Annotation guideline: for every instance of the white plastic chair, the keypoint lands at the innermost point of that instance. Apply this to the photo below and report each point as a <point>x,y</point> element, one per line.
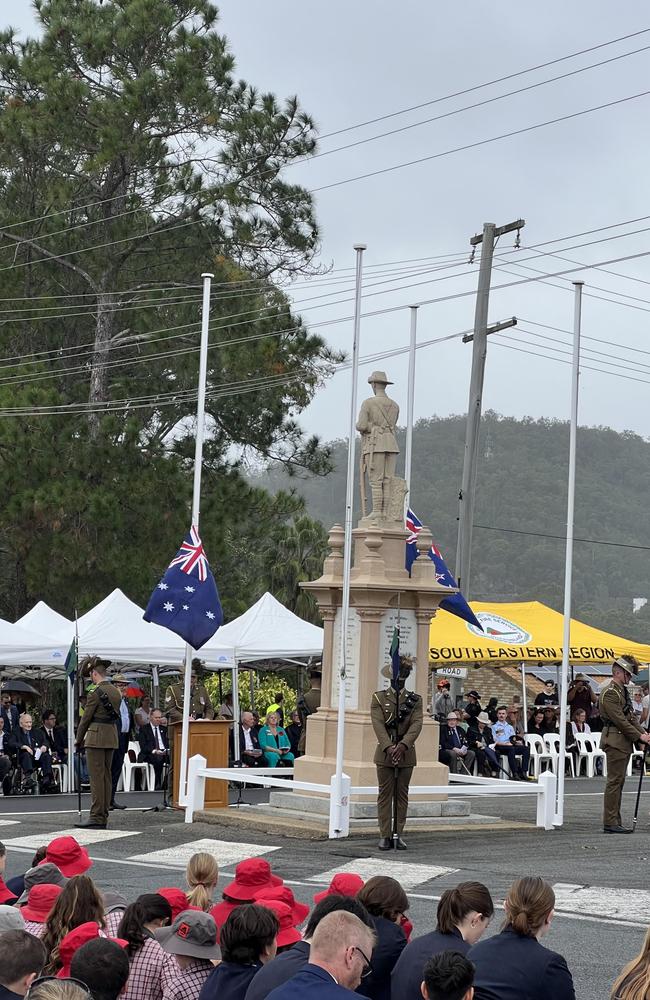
<point>552,744</point>
<point>635,753</point>
<point>590,752</point>
<point>62,771</point>
<point>129,769</point>
<point>538,753</point>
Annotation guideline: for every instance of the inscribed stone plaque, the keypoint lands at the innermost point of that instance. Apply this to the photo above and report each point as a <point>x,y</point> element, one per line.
<point>352,647</point>
<point>408,642</point>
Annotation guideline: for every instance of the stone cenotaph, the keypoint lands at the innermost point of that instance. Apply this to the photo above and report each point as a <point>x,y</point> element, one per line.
<point>382,595</point>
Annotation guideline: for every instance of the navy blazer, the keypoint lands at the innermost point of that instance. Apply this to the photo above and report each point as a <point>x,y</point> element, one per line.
<point>10,715</point>
<point>229,981</point>
<point>448,741</point>
<point>311,982</point>
<point>391,942</point>
<point>510,966</point>
<point>283,967</point>
<point>406,976</point>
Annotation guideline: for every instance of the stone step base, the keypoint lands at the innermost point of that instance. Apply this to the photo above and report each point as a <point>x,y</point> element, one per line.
<point>315,805</point>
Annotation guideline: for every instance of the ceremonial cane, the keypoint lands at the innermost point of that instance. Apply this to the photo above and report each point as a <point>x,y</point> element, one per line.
<point>78,769</point>
<point>638,791</point>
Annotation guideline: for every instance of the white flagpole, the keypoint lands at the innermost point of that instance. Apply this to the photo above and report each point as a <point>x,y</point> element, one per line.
<point>558,818</point>
<point>408,452</point>
<point>335,805</point>
<point>196,511</point>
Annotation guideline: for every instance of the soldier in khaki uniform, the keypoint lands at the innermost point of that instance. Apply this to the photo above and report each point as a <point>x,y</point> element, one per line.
<point>395,753</point>
<point>620,732</point>
<point>97,733</point>
<point>200,708</point>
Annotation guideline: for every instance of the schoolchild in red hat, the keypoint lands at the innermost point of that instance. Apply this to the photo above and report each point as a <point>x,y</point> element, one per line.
<point>343,884</point>
<point>40,900</point>
<point>283,893</point>
<point>287,934</point>
<point>74,940</point>
<point>176,898</point>
<point>68,856</point>
<point>251,876</point>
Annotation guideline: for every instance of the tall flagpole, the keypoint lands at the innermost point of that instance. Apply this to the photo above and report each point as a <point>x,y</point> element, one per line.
<point>196,510</point>
<point>558,818</point>
<point>335,807</point>
<point>408,451</point>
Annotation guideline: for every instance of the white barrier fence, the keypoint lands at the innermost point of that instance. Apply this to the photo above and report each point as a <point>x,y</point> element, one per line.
<point>544,789</point>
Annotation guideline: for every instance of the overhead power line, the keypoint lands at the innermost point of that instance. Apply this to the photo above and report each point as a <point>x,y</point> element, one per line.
<point>562,538</point>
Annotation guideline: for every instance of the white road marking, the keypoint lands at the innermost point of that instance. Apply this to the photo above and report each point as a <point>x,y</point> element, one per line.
<point>84,837</point>
<point>9,822</point>
<point>614,905</point>
<point>407,874</point>
<point>225,851</point>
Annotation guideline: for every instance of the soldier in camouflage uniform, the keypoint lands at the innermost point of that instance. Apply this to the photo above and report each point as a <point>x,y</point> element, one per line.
<point>395,753</point>
<point>620,732</point>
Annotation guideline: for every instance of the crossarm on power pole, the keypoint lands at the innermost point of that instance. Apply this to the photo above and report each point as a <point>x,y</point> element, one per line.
<point>494,328</point>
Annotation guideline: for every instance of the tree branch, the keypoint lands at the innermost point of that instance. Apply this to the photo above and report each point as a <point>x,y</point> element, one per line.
<point>52,256</point>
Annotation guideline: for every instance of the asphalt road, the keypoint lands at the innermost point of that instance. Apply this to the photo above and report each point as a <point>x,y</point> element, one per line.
<point>600,880</point>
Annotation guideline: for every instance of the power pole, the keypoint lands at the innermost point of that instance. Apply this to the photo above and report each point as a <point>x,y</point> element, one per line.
<point>466,496</point>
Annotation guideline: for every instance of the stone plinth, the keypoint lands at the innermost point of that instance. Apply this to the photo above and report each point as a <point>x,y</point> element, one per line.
<point>381,595</point>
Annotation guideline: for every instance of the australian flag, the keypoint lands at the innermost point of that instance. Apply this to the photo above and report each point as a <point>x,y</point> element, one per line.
<point>186,600</point>
<point>456,604</point>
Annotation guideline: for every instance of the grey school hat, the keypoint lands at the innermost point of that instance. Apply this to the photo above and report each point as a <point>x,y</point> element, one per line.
<point>45,874</point>
<point>11,919</point>
<point>193,933</point>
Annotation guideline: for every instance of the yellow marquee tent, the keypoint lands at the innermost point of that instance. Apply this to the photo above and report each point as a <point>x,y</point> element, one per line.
<point>519,633</point>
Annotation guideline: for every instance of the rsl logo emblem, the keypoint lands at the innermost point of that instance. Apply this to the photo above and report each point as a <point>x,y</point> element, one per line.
<point>499,629</point>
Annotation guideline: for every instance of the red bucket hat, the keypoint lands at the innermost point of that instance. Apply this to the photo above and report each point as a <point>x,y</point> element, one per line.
<point>74,939</point>
<point>68,856</point>
<point>176,898</point>
<point>221,911</point>
<point>40,901</point>
<point>6,895</point>
<point>287,933</point>
<point>343,884</point>
<point>251,876</point>
<point>284,894</point>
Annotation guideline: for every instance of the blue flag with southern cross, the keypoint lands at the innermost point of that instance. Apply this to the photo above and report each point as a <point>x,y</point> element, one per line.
<point>456,604</point>
<point>186,600</point>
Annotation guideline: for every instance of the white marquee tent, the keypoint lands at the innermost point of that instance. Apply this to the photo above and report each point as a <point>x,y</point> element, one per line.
<point>45,620</point>
<point>267,631</point>
<point>23,647</point>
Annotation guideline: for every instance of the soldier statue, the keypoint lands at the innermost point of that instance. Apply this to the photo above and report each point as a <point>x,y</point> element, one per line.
<point>620,732</point>
<point>397,720</point>
<point>379,450</point>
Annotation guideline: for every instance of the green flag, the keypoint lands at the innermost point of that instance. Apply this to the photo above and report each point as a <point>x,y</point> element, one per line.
<point>71,660</point>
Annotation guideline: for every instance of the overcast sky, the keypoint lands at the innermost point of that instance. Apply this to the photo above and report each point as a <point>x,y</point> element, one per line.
<point>353,61</point>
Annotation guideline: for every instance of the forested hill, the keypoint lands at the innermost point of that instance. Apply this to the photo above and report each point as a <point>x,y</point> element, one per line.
<point>522,487</point>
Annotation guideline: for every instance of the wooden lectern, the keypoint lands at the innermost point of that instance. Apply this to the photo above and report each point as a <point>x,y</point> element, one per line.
<point>210,739</point>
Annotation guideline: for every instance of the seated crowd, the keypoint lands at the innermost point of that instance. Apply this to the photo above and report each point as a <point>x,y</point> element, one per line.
<point>62,937</point>
<point>492,741</point>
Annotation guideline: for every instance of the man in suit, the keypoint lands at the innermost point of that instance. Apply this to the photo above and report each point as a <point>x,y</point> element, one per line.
<point>5,759</point>
<point>9,713</point>
<point>53,737</point>
<point>32,753</point>
<point>97,732</point>
<point>154,745</point>
<point>339,957</point>
<point>480,740</point>
<point>454,749</point>
<point>620,732</point>
<point>125,725</point>
<point>396,730</point>
<point>250,751</point>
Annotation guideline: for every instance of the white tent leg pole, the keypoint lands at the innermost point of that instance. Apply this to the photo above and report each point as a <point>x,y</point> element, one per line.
<point>235,713</point>
<point>155,681</point>
<point>69,684</point>
<point>524,702</point>
<point>568,566</point>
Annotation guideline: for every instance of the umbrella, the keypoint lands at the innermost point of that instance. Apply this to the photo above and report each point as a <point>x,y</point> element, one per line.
<point>133,691</point>
<point>19,687</point>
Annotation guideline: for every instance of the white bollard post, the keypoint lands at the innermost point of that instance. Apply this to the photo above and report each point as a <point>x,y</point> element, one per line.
<point>339,808</point>
<point>195,787</point>
<point>546,800</point>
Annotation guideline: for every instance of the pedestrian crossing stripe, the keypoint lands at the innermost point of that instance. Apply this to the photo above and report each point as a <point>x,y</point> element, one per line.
<point>409,875</point>
<point>603,901</point>
<point>9,822</point>
<point>226,852</point>
<point>81,836</point>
